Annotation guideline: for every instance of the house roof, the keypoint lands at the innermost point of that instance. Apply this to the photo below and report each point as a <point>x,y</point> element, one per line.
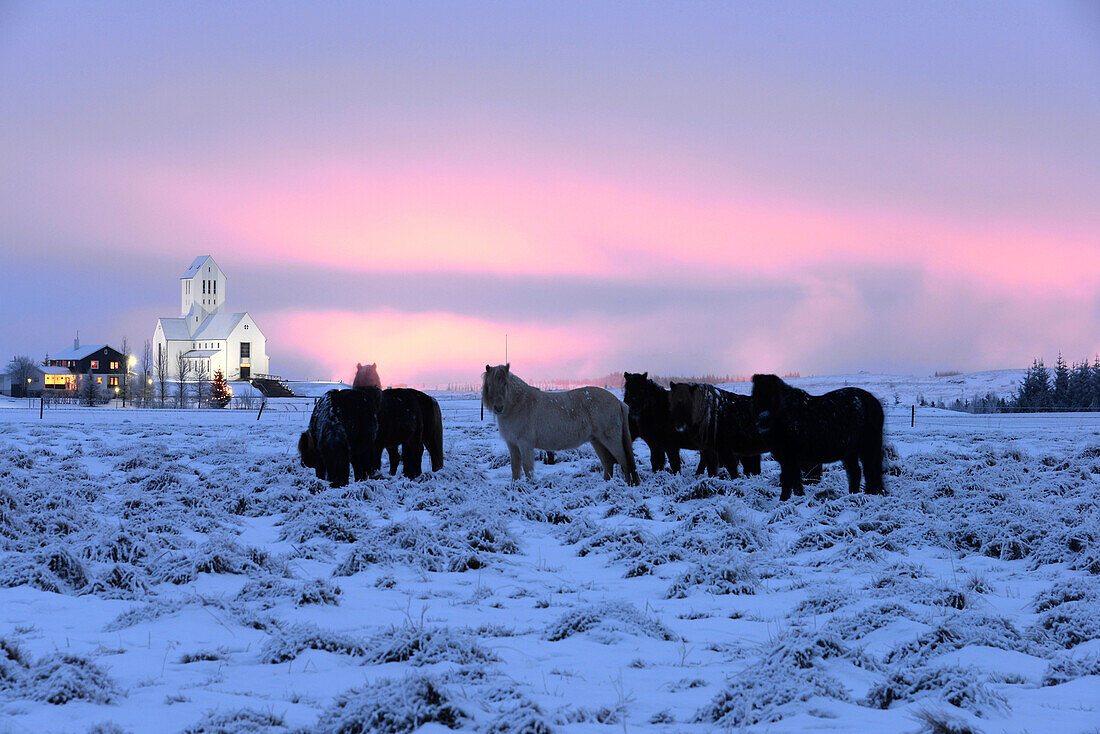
<point>215,326</point>
<point>196,266</point>
<point>200,353</point>
<point>79,352</point>
<point>39,369</point>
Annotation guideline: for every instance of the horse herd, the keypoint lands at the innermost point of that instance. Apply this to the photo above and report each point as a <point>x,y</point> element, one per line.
<point>800,431</point>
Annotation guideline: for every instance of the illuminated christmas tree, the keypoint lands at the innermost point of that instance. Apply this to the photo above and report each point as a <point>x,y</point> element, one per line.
<point>220,393</point>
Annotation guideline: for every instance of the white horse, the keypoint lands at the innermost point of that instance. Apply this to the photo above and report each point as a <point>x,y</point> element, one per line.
<point>530,419</point>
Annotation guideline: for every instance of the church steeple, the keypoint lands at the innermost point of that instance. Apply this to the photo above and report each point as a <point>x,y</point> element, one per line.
<point>202,291</point>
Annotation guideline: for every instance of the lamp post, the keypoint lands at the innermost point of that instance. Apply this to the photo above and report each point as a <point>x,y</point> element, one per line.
<point>130,362</point>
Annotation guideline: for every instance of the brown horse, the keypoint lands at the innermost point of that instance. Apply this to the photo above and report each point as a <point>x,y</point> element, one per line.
<point>367,376</point>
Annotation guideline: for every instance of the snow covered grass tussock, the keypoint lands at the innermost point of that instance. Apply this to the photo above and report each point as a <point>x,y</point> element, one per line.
<point>391,706</point>
<point>239,721</point>
<point>56,678</point>
<point>452,546</point>
<point>608,621</point>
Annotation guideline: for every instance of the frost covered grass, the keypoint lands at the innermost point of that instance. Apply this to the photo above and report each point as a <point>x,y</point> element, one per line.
<point>180,572</point>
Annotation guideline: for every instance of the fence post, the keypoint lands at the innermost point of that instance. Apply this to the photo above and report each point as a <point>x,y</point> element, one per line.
<point>913,417</point>
<point>41,403</point>
<point>262,404</point>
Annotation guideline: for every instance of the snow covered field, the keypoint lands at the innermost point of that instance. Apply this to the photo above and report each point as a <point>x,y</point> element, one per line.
<point>170,571</point>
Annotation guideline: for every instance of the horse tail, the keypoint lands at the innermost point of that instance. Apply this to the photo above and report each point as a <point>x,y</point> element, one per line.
<point>433,434</point>
<point>630,468</point>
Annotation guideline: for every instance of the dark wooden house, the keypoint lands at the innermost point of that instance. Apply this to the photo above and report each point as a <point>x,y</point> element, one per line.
<point>106,364</point>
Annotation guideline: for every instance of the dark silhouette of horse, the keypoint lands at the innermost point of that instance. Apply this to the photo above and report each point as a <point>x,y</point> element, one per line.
<point>720,423</point>
<point>342,429</point>
<point>801,430</point>
<point>409,422</point>
<point>651,421</point>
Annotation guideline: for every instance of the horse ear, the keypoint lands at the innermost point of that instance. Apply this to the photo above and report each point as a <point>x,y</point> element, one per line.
<point>508,367</point>
<point>645,375</point>
<point>358,366</point>
<point>487,368</point>
<point>374,365</point>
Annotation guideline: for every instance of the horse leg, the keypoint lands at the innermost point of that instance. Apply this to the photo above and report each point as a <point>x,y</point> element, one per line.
<point>513,451</point>
<point>394,458</point>
<point>673,460</point>
<point>412,455</point>
<point>712,463</point>
<point>751,465</point>
<point>527,454</point>
<point>871,458</point>
<point>730,463</point>
<point>336,465</point>
<point>360,463</point>
<point>606,458</point>
<point>656,456</point>
<point>790,479</point>
<point>851,465</point>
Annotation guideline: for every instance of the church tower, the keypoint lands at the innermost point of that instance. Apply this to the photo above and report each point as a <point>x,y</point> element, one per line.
<point>202,291</point>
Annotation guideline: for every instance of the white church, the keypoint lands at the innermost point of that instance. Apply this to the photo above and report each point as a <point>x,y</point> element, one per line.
<point>205,334</point>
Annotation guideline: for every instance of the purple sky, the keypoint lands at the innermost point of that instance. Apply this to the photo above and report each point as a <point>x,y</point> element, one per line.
<point>678,188</point>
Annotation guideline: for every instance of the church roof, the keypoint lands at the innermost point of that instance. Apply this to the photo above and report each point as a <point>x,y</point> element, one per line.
<point>175,329</point>
<point>195,266</point>
<point>78,352</point>
<point>201,353</point>
<point>216,326</point>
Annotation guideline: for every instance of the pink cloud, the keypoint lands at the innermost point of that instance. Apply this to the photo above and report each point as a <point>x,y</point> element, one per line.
<point>561,221</point>
<point>433,347</point>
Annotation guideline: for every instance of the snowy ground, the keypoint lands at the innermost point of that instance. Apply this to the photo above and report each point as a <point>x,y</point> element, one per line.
<point>164,571</point>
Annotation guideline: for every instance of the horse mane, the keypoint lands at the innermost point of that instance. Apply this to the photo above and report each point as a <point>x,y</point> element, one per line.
<point>515,385</point>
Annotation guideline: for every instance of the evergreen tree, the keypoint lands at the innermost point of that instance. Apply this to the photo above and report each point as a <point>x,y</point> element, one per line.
<point>220,393</point>
<point>1095,405</point>
<point>1060,398</point>
<point>1034,393</point>
<point>1080,386</point>
<point>89,390</point>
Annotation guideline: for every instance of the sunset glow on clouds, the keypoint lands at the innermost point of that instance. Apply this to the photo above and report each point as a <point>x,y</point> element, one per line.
<point>708,190</point>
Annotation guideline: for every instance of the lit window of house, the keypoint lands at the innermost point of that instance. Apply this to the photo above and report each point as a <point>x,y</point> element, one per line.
<point>114,382</point>
<point>99,380</point>
<point>114,365</point>
<point>95,364</point>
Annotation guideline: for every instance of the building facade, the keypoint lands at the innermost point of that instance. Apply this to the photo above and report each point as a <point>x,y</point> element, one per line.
<point>205,335</point>
<point>104,363</point>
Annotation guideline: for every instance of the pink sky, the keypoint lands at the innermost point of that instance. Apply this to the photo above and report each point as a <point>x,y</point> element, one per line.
<point>844,191</point>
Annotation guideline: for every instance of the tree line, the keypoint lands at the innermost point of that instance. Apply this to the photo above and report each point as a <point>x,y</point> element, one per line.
<point>1067,387</point>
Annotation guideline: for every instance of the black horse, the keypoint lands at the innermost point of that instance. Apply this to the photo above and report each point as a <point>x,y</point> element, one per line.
<point>721,423</point>
<point>800,429</point>
<point>651,421</point>
<point>342,429</point>
<point>409,422</point>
